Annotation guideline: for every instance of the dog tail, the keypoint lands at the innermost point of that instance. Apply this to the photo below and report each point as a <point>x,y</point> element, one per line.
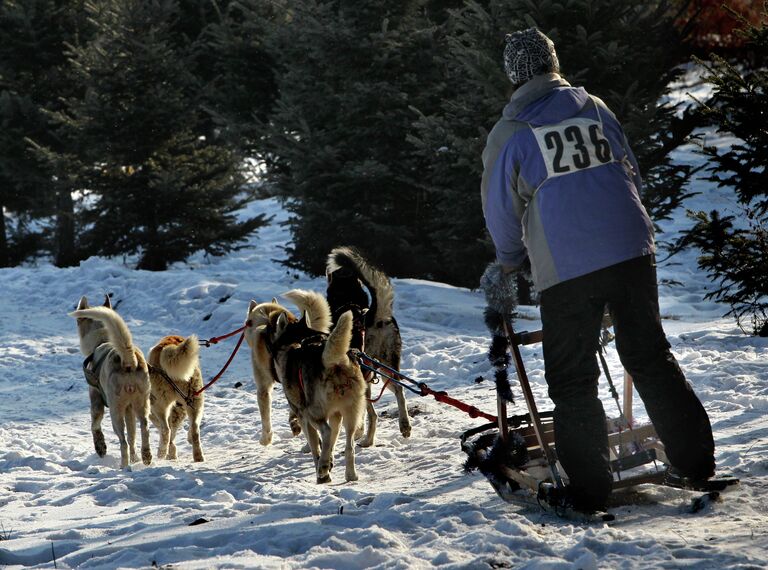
<point>117,332</point>
<point>376,281</point>
<point>337,345</point>
<point>177,355</point>
<point>315,305</point>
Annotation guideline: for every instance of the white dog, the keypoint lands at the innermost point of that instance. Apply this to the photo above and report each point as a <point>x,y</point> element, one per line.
<point>117,377</point>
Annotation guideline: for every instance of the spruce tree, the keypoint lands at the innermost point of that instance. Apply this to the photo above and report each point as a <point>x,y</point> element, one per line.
<point>33,81</point>
<point>734,252</point>
<point>237,71</point>
<point>622,52</point>
<point>348,74</point>
<point>163,187</point>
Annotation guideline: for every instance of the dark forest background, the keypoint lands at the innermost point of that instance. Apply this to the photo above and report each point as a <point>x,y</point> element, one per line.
<point>135,126</point>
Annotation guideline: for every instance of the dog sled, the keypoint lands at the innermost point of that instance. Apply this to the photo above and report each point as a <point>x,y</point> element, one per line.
<point>518,456</point>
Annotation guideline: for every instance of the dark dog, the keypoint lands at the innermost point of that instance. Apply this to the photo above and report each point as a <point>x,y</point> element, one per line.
<point>322,385</point>
<point>375,331</point>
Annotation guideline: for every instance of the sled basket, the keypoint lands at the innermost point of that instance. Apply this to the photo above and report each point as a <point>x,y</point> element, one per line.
<point>518,452</point>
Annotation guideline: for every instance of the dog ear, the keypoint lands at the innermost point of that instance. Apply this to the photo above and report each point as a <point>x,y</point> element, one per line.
<point>107,302</point>
<point>274,300</point>
<point>282,322</point>
<point>83,304</point>
<point>251,305</point>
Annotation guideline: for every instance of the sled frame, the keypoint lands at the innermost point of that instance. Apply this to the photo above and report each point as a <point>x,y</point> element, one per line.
<point>631,447</point>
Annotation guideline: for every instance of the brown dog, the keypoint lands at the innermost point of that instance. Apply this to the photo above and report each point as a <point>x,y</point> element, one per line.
<point>175,376</point>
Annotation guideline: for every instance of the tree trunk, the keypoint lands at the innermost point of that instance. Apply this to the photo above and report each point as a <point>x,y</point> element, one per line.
<point>65,255</point>
<point>4,260</point>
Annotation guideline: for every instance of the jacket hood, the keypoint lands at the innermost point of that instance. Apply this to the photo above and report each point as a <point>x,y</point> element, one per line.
<point>544,100</point>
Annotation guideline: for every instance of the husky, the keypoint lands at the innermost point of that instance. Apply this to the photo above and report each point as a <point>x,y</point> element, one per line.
<point>264,374</point>
<point>323,386</point>
<point>117,377</point>
<point>346,272</point>
<point>174,366</point>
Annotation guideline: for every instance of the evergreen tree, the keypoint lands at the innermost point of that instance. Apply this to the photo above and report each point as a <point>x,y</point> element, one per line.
<point>623,52</point>
<point>162,187</point>
<point>237,71</point>
<point>34,79</point>
<point>735,253</point>
<point>348,73</point>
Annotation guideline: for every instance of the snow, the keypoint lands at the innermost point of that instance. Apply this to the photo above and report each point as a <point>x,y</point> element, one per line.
<point>413,507</point>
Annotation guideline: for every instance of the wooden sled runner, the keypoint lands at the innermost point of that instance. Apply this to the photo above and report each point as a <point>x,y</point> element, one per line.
<point>517,454</point>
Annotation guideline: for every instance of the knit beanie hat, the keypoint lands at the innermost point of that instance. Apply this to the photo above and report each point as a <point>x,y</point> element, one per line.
<point>528,53</point>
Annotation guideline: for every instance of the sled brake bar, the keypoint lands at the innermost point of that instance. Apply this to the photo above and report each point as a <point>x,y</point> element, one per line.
<point>528,395</point>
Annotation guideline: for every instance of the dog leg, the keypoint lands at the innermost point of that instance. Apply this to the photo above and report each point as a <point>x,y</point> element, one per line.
<point>177,418</point>
<point>118,424</point>
<point>143,417</point>
<point>172,451</point>
<point>335,421</point>
<point>165,432</point>
<point>350,425</point>
<point>326,450</point>
<point>370,435</point>
<point>130,424</point>
<point>97,414</point>
<point>264,396</point>
<point>293,421</point>
<point>195,415</point>
<point>402,409</point>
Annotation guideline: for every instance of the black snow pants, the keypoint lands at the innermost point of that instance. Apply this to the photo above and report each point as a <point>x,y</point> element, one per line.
<point>571,314</point>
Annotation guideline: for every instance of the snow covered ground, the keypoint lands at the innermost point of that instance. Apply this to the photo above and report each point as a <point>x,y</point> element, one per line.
<point>63,506</point>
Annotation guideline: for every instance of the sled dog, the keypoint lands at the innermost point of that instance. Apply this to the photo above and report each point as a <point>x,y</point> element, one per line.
<point>346,272</point>
<point>117,377</point>
<point>175,361</point>
<point>264,374</point>
<point>322,385</point>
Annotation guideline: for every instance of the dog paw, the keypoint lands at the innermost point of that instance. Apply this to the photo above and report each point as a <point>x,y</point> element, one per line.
<point>323,479</point>
<point>295,429</point>
<point>405,429</point>
<point>146,457</point>
<point>266,438</point>
<point>365,442</point>
<point>198,456</point>
<point>99,444</point>
<point>351,476</point>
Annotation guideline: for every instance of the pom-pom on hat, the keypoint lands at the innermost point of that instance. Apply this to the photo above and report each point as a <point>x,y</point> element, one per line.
<point>528,53</point>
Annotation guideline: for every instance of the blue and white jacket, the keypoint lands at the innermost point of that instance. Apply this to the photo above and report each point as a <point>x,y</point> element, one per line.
<point>561,185</point>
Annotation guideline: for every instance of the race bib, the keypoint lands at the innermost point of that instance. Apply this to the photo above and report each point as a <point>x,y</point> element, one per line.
<point>574,144</point>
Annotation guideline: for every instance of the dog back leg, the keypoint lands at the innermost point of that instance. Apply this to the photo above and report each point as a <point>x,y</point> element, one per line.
<point>350,426</point>
<point>118,424</point>
<point>177,418</point>
<point>264,385</point>
<point>130,426</point>
<point>369,439</point>
<point>326,451</point>
<point>142,414</point>
<point>195,415</point>
<point>313,439</point>
<point>97,415</point>
<point>162,413</point>
<point>402,409</point>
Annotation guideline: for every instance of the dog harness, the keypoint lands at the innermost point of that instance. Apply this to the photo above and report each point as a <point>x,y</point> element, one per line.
<point>91,371</point>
